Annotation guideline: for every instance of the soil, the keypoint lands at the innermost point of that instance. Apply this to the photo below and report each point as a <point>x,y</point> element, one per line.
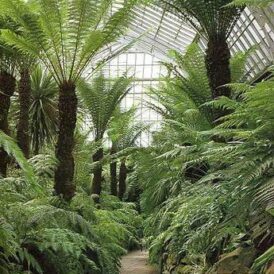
<point>136,262</point>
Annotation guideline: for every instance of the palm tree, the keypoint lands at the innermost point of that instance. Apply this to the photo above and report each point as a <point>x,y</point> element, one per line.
<point>214,20</point>
<point>68,37</point>
<point>43,109</point>
<point>7,88</point>
<point>101,99</point>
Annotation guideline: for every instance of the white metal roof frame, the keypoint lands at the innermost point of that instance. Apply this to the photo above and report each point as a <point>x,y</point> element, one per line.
<point>165,31</point>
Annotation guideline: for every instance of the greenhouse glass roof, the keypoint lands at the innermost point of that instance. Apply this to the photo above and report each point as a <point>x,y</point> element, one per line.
<point>161,31</point>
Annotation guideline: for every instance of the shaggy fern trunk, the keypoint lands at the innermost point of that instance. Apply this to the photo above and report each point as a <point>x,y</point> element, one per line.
<point>97,173</point>
<point>64,173</point>
<point>218,70</point>
<point>24,91</point>
<point>113,174</point>
<point>7,88</point>
<point>122,179</point>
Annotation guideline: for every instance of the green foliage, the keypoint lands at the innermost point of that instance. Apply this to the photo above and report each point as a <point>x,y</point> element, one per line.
<point>45,235</point>
<point>238,66</point>
<point>8,56</point>
<point>10,146</point>
<point>205,185</point>
<point>124,130</point>
<point>101,98</point>
<point>67,36</point>
<point>185,119</point>
<point>84,148</point>
<point>215,182</point>
<point>263,260</point>
<point>184,95</point>
<point>191,223</point>
<point>43,109</point>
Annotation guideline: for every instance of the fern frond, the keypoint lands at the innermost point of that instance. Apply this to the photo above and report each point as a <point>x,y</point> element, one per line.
<point>9,145</point>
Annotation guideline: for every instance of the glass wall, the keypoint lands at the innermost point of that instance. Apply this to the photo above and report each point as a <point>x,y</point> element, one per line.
<point>147,71</point>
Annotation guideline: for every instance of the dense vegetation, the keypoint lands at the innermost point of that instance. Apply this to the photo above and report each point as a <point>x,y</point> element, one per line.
<point>76,192</point>
<point>213,191</point>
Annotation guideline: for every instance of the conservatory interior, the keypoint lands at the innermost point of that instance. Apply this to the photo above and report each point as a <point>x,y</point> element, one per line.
<point>136,136</point>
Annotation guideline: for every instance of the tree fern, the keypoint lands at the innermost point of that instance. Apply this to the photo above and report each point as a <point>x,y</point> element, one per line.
<point>214,21</point>
<point>101,99</point>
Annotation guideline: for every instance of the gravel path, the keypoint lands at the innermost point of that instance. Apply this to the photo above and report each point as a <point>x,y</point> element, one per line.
<point>136,262</point>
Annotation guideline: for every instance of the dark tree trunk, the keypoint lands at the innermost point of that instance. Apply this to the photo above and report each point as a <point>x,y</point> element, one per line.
<point>24,91</point>
<point>113,174</point>
<point>122,179</point>
<point>7,88</point>
<point>218,70</point>
<point>36,149</point>
<point>97,173</point>
<point>67,106</point>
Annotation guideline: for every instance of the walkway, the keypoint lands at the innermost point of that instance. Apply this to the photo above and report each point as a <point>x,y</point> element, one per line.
<point>136,262</point>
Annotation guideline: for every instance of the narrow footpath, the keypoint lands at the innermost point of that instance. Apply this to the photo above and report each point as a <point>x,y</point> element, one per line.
<point>136,262</point>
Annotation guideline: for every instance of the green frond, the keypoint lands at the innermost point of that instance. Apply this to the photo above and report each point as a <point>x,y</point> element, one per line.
<point>101,98</point>
<point>238,65</point>
<point>214,18</point>
<point>10,146</point>
<point>22,44</point>
<point>67,35</point>
<point>43,109</point>
<point>263,260</point>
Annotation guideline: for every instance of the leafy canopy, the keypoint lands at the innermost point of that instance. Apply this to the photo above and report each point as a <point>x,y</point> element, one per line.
<point>68,36</point>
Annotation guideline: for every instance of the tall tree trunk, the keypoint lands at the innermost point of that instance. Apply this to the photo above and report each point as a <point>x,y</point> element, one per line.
<point>113,174</point>
<point>24,91</point>
<point>97,173</point>
<point>122,179</point>
<point>7,88</point>
<point>218,70</point>
<point>64,173</point>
